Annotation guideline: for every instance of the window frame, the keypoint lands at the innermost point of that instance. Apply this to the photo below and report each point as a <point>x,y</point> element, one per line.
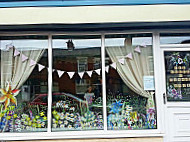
<point>96,133</point>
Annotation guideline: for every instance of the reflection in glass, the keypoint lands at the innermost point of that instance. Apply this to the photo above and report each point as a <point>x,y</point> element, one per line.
<point>177,75</point>
<point>130,105</point>
<point>23,107</point>
<point>174,38</point>
<point>77,88</point>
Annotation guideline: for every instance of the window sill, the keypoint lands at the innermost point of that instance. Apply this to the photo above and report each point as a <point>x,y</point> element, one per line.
<point>81,134</point>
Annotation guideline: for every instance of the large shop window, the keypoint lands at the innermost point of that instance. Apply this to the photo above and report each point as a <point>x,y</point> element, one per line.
<point>23,101</point>
<point>82,95</point>
<point>130,82</point>
<point>77,83</point>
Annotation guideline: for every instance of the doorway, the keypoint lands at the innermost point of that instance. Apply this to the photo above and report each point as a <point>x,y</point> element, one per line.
<point>176,84</point>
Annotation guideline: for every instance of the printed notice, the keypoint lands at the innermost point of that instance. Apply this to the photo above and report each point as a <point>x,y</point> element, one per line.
<point>148,82</point>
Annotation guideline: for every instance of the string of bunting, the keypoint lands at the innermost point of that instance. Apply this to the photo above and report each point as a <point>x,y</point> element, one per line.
<point>81,74</point>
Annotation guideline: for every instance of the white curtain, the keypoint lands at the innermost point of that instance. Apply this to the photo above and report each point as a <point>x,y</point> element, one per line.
<point>133,70</point>
<point>13,70</point>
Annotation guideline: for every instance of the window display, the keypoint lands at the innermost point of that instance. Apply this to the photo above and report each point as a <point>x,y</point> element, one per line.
<point>130,104</point>
<point>77,83</point>
<point>22,107</point>
<point>77,93</point>
<point>177,75</point>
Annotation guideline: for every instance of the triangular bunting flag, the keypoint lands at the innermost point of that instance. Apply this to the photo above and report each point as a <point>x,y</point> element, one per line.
<point>138,49</point>
<point>16,53</point>
<point>122,61</point>
<point>60,73</point>
<point>81,74</point>
<point>24,58</point>
<point>113,65</point>
<point>71,74</point>
<point>107,69</point>
<point>98,71</point>
<point>129,56</point>
<point>32,63</point>
<point>89,73</point>
<point>143,44</point>
<point>40,67</point>
<point>152,93</point>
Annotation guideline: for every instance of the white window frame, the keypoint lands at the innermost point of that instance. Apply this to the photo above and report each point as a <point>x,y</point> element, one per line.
<point>97,133</point>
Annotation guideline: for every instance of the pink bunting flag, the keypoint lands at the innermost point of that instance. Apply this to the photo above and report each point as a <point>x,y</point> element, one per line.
<point>71,74</point>
<point>129,56</point>
<point>143,44</point>
<point>89,73</point>
<point>24,58</point>
<point>113,65</point>
<point>138,49</point>
<point>32,62</point>
<point>16,53</point>
<point>40,67</point>
<point>81,74</point>
<point>98,71</point>
<point>107,69</point>
<point>60,73</point>
<point>122,61</point>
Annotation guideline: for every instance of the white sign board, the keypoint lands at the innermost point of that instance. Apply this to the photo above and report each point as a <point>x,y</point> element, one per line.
<point>148,82</point>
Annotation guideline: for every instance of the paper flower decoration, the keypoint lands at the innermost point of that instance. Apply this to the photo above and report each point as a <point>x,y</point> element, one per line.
<point>9,95</point>
<point>116,107</point>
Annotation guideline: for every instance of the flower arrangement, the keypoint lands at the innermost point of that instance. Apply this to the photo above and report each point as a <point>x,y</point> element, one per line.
<point>173,92</point>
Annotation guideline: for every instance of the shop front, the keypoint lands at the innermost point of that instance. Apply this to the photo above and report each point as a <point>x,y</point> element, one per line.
<point>95,72</point>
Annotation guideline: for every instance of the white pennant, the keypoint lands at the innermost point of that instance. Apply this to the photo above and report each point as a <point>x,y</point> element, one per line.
<point>143,44</point>
<point>138,49</point>
<point>81,74</point>
<point>60,73</point>
<point>24,58</point>
<point>89,73</point>
<point>71,74</point>
<point>40,67</point>
<point>16,53</point>
<point>98,71</point>
<point>32,63</point>
<point>107,69</point>
<point>122,61</point>
<point>113,65</point>
<point>129,56</point>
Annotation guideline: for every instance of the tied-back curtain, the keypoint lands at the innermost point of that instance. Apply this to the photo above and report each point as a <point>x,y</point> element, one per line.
<point>13,70</point>
<point>133,70</point>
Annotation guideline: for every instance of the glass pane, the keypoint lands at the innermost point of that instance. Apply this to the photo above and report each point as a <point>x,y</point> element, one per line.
<point>23,94</point>
<point>177,75</point>
<point>130,82</point>
<point>175,38</point>
<point>77,87</point>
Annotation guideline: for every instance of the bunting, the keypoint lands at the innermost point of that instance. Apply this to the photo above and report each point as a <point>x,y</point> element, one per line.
<point>81,74</point>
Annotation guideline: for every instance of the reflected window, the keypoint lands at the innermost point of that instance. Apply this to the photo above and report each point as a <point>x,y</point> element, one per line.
<point>175,38</point>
